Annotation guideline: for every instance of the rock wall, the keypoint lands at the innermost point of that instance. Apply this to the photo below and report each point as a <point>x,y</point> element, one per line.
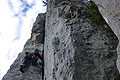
<point>111,10</point>
<point>36,41</point>
<point>74,49</point>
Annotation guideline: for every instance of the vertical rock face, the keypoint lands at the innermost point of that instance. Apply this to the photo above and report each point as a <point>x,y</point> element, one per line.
<point>111,10</point>
<point>74,49</point>
<point>36,41</point>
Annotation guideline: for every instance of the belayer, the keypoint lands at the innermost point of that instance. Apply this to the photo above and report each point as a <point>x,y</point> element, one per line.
<point>31,58</point>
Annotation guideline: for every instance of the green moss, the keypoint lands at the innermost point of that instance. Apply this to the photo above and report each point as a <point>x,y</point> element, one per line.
<point>94,14</point>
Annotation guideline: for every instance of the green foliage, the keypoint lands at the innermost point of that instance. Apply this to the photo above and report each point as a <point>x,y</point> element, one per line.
<point>94,14</point>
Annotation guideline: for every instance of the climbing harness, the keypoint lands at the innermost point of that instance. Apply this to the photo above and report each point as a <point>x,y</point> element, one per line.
<point>33,72</point>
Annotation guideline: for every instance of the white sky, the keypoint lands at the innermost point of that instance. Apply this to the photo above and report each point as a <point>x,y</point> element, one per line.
<point>16,20</point>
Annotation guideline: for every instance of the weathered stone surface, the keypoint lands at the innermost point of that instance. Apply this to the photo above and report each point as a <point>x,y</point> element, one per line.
<point>110,9</point>
<point>36,40</point>
<point>74,49</point>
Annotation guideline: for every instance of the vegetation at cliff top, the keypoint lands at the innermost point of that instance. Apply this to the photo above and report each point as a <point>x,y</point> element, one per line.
<point>94,14</point>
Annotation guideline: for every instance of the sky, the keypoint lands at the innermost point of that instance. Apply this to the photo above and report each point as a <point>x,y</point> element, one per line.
<point>16,20</point>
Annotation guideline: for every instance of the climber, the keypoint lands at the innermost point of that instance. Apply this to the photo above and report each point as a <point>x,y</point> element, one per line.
<point>31,58</point>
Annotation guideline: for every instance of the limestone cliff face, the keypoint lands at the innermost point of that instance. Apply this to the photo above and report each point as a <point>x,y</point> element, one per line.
<point>111,10</point>
<point>36,40</point>
<point>73,48</point>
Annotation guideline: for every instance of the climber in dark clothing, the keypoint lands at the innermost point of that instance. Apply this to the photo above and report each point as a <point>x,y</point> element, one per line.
<point>31,58</point>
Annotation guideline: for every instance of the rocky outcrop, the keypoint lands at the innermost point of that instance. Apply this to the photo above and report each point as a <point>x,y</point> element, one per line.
<point>110,9</point>
<point>36,41</point>
<point>75,46</point>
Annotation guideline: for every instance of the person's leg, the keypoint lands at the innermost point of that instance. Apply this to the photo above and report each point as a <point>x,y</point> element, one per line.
<point>22,68</point>
<point>27,58</point>
<point>25,63</point>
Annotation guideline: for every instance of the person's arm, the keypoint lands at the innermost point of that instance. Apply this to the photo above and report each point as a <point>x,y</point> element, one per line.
<point>39,56</point>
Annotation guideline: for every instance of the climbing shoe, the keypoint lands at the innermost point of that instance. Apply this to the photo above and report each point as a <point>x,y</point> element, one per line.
<point>21,69</point>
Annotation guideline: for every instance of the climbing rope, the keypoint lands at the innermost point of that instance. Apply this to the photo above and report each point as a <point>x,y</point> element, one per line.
<point>33,72</point>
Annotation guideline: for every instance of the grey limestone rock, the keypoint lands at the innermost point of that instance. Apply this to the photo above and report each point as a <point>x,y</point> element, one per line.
<point>36,41</point>
<point>110,9</point>
<point>74,49</point>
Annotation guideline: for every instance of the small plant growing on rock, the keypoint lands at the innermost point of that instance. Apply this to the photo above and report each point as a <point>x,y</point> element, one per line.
<point>94,14</point>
